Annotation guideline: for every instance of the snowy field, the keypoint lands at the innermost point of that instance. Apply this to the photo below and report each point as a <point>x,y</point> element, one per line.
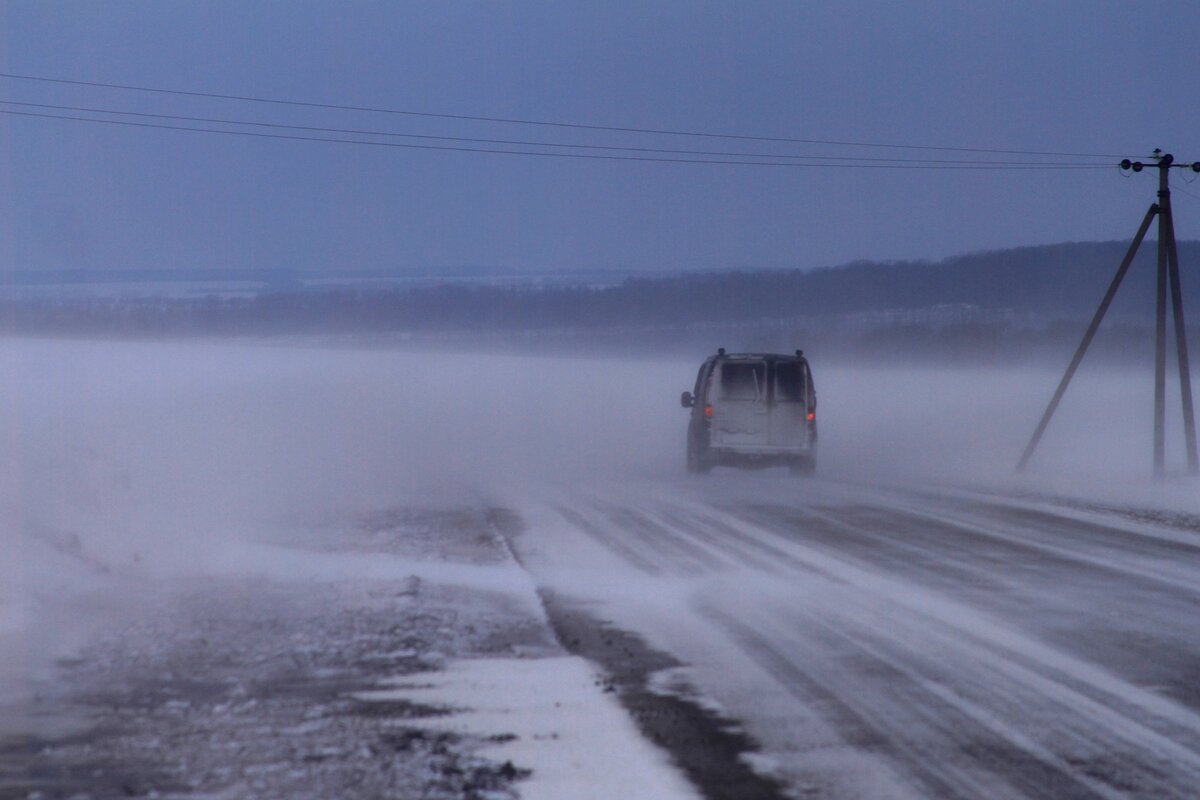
<point>137,479</point>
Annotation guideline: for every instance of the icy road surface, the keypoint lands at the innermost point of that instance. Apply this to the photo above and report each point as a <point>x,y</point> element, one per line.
<point>915,622</point>
<point>901,643</point>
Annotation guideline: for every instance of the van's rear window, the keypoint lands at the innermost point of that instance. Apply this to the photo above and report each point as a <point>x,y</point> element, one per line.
<point>789,381</point>
<point>743,380</point>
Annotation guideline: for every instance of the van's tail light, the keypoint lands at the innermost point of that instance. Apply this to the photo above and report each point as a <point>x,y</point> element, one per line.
<point>708,412</point>
<point>812,415</point>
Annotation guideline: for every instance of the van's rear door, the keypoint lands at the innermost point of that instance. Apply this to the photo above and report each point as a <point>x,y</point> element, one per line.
<point>740,408</point>
<point>788,407</point>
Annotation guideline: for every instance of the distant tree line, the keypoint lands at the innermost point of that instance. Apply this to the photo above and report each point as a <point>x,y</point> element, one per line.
<point>992,296</point>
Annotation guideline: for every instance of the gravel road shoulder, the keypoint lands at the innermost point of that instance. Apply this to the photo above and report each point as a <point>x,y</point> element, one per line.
<point>244,686</point>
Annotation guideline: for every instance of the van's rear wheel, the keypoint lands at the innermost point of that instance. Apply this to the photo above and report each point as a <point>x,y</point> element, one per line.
<point>697,464</point>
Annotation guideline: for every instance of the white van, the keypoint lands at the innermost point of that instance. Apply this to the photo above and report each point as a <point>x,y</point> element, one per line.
<point>752,410</point>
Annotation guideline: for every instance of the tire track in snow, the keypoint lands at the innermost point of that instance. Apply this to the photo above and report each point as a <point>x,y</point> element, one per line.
<point>749,551</point>
<point>973,656</point>
<point>1129,716</point>
<point>922,732</point>
<point>1164,565</point>
<point>1177,534</point>
<point>1021,703</point>
<point>675,546</point>
<point>671,538</point>
<point>1131,620</point>
<point>610,540</point>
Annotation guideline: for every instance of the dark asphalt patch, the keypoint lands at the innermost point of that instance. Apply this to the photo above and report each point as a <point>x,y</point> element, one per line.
<point>708,748</point>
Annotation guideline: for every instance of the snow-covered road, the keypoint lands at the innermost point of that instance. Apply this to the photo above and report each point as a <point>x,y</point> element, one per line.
<point>891,643</point>
<point>914,622</point>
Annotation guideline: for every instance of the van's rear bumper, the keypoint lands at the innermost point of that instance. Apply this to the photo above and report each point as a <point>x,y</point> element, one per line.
<point>756,456</point>
<point>703,452</point>
<point>761,450</point>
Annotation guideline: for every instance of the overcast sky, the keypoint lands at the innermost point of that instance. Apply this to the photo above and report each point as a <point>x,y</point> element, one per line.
<point>1088,77</point>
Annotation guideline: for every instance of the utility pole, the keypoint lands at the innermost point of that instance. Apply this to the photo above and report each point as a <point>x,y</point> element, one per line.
<point>1168,273</point>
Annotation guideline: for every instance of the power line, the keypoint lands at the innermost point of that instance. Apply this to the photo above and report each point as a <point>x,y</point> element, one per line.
<point>406,145</point>
<point>521,142</point>
<point>545,123</point>
<point>1185,191</point>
